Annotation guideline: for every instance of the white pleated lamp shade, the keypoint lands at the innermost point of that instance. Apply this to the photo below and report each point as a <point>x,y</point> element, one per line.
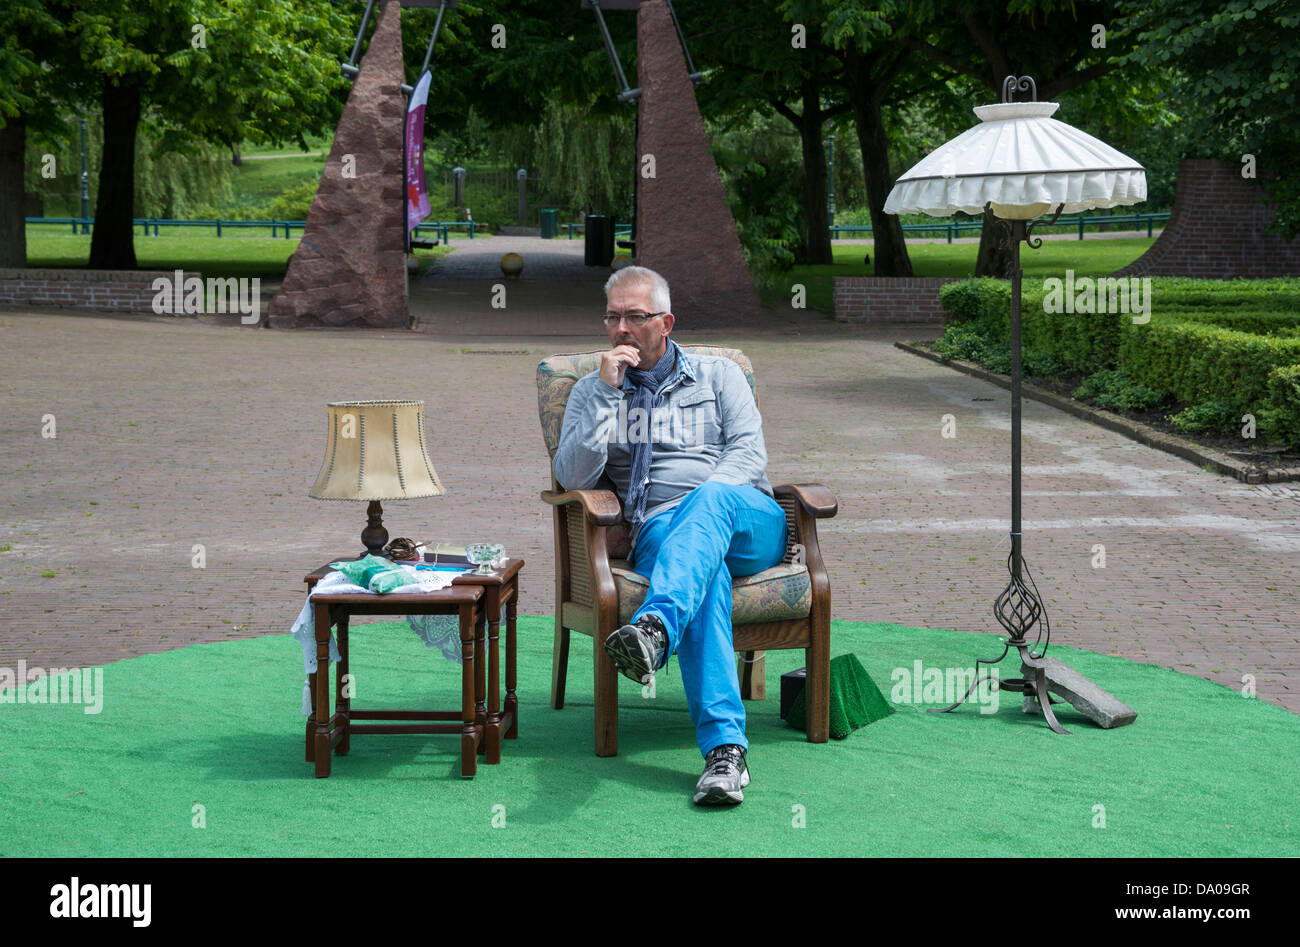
<point>375,451</point>
<point>1022,161</point>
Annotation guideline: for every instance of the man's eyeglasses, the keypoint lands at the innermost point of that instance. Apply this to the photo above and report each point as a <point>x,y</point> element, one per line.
<point>634,319</point>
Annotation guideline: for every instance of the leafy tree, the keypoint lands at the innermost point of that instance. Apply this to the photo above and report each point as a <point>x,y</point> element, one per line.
<point>988,40</point>
<point>753,55</point>
<point>29,36</point>
<point>221,71</point>
<point>866,41</point>
<point>1237,64</point>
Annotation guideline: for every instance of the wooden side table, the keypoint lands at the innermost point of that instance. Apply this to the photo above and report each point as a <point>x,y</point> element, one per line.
<point>501,587</point>
<point>324,731</point>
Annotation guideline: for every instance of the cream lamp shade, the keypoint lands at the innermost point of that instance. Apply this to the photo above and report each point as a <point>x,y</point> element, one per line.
<point>375,450</point>
<point>1024,163</point>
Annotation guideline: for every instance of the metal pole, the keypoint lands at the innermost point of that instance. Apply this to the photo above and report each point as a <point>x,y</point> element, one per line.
<point>626,93</point>
<point>830,160</point>
<point>1017,234</point>
<point>437,27</point>
<point>365,20</point>
<point>690,66</point>
<point>522,175</point>
<point>85,183</point>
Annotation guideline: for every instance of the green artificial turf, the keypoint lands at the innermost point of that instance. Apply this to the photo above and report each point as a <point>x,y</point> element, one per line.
<point>1203,771</point>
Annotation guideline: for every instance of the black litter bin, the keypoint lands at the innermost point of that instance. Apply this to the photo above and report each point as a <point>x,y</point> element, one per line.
<point>599,247</point>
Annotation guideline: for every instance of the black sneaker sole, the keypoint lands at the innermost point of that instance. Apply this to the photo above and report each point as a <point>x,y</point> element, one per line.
<point>625,649</point>
<point>717,796</point>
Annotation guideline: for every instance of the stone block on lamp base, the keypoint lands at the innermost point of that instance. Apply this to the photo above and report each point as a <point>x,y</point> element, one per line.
<point>1098,705</point>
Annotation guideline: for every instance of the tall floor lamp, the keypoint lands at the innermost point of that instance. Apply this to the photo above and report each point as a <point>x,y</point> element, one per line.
<point>1021,163</point>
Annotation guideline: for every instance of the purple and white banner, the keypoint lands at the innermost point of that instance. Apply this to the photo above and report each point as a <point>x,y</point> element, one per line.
<point>417,197</point>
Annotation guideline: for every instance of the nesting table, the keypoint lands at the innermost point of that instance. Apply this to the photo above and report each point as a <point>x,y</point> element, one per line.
<point>477,600</point>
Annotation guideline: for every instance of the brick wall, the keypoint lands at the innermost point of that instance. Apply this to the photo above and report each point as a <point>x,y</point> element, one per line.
<point>98,290</point>
<point>888,299</point>
<point>1216,229</point>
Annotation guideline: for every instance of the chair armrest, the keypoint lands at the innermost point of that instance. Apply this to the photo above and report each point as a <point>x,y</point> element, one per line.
<point>600,506</point>
<point>813,497</point>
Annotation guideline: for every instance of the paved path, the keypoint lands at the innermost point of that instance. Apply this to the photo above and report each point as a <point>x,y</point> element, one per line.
<point>172,433</point>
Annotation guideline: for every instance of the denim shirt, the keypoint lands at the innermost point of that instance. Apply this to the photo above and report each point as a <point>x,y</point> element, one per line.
<point>705,426</point>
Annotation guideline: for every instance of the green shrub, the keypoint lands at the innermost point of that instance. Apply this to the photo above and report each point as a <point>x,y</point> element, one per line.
<point>1176,292</point>
<point>961,341</point>
<point>1214,417</point>
<point>1230,341</point>
<point>1279,419</point>
<point>997,358</point>
<point>1079,342</point>
<point>1115,390</point>
<point>1040,364</point>
<point>294,201</point>
<point>984,303</point>
<point>1061,342</point>
<point>1258,321</point>
<point>1196,362</point>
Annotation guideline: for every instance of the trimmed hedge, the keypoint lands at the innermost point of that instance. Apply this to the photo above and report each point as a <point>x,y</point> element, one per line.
<point>1076,342</point>
<point>1198,362</point>
<point>1256,321</point>
<point>1281,417</point>
<point>1232,341</point>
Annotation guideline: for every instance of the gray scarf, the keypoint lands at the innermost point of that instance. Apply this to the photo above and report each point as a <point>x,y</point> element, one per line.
<point>644,397</point>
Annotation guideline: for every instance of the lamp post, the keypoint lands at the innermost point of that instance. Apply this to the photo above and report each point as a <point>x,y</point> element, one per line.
<point>830,178</point>
<point>458,185</point>
<point>1020,163</point>
<point>85,180</point>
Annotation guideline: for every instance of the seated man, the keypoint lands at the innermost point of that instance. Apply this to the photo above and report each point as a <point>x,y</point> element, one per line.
<point>681,439</point>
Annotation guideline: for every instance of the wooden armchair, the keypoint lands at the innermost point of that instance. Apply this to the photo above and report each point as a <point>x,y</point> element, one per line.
<point>787,606</point>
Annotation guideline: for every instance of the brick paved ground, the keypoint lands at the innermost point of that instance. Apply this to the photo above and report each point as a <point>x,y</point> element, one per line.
<point>172,433</point>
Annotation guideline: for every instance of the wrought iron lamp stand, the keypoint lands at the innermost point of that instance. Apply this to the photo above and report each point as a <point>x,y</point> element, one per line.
<point>1018,608</point>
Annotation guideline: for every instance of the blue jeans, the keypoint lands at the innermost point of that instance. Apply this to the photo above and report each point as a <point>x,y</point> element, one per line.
<point>690,553</point>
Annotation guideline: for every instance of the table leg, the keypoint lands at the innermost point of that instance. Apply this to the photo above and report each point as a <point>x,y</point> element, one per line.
<point>469,621</point>
<point>343,686</point>
<point>322,753</point>
<point>512,702</point>
<point>311,719</point>
<point>492,738</point>
<point>480,709</point>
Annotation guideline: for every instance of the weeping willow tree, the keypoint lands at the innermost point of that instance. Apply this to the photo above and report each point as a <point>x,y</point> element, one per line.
<point>173,183</point>
<point>583,161</point>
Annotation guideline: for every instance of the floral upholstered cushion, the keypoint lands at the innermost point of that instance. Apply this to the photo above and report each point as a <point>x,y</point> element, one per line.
<point>557,375</point>
<point>776,594</point>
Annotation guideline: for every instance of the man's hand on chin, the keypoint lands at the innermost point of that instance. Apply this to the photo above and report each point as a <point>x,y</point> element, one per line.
<point>615,363</point>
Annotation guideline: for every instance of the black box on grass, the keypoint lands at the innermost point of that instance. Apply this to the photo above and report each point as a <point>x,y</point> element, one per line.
<point>792,685</point>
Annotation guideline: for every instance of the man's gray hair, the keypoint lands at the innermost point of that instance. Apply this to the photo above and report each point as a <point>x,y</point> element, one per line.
<point>643,276</point>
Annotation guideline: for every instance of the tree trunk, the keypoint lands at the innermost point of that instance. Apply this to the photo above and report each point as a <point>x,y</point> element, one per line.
<point>13,227</point>
<point>994,257</point>
<point>235,158</point>
<point>816,234</point>
<point>112,245</point>
<point>890,251</point>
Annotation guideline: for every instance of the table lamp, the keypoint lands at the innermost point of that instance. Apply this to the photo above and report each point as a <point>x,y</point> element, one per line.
<point>375,451</point>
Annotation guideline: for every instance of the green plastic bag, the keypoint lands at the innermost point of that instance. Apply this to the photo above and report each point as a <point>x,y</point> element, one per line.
<point>374,573</point>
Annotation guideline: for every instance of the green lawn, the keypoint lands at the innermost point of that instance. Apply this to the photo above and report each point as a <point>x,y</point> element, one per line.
<point>1086,257</point>
<point>237,253</point>
<point>259,181</point>
<point>314,143</point>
